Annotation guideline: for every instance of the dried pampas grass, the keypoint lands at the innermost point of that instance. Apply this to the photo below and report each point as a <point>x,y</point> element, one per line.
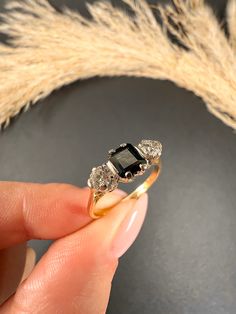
<point>50,49</point>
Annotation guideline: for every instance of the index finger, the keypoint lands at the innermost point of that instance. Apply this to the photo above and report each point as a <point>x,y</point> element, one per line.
<point>40,211</point>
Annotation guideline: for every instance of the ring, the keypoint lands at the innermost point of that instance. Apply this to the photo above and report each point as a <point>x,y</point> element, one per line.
<point>124,164</point>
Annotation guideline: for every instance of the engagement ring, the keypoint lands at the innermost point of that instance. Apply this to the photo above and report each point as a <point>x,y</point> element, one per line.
<point>124,164</point>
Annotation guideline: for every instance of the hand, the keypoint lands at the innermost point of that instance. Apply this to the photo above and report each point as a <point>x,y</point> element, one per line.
<point>75,274</point>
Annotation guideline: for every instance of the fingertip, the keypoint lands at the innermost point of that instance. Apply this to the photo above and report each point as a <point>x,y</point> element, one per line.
<point>129,228</point>
<point>120,227</point>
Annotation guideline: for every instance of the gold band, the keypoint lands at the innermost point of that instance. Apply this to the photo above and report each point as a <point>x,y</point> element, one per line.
<point>141,189</point>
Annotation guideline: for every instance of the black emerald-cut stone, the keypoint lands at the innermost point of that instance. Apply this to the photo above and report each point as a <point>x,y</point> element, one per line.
<point>127,159</point>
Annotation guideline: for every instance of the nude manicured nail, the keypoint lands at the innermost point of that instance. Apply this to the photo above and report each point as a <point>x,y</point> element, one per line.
<point>120,192</point>
<point>129,228</point>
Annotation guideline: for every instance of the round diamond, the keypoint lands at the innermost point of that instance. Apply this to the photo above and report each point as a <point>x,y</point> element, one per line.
<point>150,149</point>
<point>103,179</point>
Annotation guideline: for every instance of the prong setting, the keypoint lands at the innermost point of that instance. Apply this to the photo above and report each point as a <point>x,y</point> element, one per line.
<point>111,151</point>
<point>128,175</point>
<point>143,168</point>
<point>127,160</point>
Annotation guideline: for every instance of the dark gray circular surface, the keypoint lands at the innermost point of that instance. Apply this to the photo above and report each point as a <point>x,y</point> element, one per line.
<point>184,261</point>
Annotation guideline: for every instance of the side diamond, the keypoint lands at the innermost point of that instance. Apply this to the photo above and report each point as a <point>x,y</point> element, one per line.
<point>103,179</point>
<point>150,149</point>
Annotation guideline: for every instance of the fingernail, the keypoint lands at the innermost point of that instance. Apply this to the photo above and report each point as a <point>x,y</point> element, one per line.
<point>120,192</point>
<point>111,199</point>
<point>129,228</point>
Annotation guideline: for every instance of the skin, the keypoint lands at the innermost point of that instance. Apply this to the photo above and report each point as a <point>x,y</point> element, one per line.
<point>75,274</point>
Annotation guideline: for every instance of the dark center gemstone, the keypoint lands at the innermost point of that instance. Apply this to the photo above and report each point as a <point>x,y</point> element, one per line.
<point>127,159</point>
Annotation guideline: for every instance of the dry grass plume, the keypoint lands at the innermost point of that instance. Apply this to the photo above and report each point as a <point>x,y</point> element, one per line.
<point>50,49</point>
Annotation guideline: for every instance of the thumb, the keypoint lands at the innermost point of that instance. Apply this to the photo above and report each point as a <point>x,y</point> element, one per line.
<point>75,275</point>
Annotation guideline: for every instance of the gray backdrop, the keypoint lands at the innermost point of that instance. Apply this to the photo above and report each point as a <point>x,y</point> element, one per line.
<point>184,260</point>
